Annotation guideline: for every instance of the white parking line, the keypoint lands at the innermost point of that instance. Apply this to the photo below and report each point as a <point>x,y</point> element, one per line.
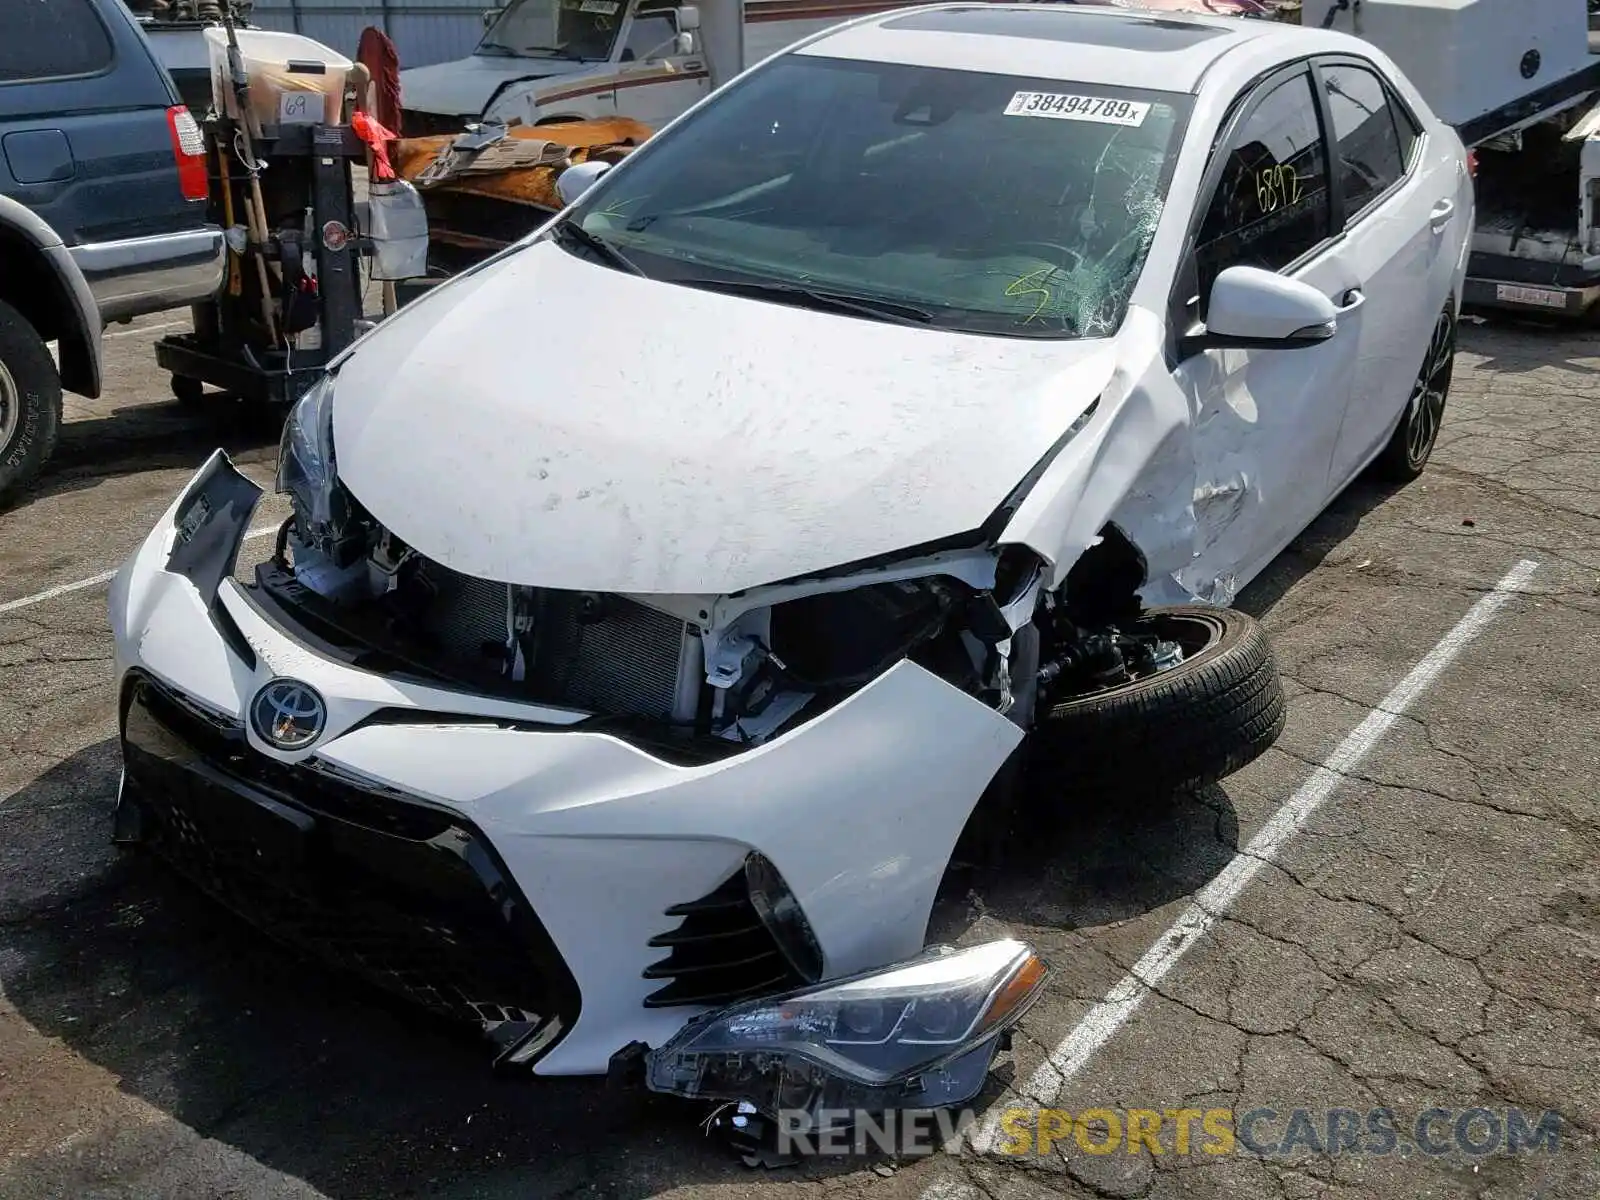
<point>78,585</point>
<point>1213,901</point>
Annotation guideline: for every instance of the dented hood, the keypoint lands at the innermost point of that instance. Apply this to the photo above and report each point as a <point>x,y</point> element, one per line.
<point>552,422</point>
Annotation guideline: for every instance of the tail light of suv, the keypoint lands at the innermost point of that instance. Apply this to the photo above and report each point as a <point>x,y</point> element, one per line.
<point>189,148</point>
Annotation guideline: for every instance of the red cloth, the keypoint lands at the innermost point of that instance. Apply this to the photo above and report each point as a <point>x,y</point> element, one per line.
<point>377,53</point>
<point>376,136</point>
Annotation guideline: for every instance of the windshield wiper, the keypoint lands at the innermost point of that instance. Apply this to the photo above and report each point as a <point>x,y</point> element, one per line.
<point>822,300</point>
<point>571,231</point>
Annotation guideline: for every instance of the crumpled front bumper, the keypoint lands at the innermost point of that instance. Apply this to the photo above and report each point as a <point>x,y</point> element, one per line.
<point>858,809</point>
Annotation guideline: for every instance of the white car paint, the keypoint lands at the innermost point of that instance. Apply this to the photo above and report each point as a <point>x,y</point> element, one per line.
<point>762,470</point>
<point>516,424</point>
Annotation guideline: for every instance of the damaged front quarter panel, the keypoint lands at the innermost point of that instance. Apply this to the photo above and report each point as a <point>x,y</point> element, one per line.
<point>1131,465</point>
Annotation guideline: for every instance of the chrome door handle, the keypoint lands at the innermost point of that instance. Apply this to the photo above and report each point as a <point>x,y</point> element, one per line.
<point>1441,214</point>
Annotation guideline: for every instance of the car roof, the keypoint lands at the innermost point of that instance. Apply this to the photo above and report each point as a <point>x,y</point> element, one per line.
<point>1085,43</point>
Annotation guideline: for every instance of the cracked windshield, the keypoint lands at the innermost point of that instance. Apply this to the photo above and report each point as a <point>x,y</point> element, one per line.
<point>988,203</point>
<point>577,29</point>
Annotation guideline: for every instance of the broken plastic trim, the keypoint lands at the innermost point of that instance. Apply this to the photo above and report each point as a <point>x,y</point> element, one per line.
<point>209,526</point>
<point>208,529</point>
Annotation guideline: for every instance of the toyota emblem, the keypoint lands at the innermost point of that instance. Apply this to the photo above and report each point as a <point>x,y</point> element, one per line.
<point>288,715</point>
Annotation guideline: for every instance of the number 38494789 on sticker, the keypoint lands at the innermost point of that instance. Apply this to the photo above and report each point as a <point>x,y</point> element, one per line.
<point>1077,108</point>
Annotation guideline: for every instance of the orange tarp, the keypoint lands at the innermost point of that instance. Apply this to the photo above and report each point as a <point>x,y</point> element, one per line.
<point>609,140</point>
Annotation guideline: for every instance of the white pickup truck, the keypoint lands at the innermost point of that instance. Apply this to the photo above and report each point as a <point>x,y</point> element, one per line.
<point>564,60</point>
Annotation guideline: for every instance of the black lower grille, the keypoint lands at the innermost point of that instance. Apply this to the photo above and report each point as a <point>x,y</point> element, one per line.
<point>407,896</point>
<point>721,952</point>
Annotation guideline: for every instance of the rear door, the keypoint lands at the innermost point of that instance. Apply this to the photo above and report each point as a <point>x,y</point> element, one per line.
<point>1397,208</point>
<point>1266,421</point>
<point>84,137</point>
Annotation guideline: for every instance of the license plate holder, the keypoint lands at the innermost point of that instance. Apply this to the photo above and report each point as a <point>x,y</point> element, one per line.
<point>1536,297</point>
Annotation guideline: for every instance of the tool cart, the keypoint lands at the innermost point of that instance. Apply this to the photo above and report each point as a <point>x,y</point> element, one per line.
<point>281,145</point>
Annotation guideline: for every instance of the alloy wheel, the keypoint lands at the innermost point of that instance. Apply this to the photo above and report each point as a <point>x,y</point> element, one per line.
<point>1426,410</point>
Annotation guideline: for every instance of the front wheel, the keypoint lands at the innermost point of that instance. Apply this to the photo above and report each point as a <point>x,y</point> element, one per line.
<point>1190,722</point>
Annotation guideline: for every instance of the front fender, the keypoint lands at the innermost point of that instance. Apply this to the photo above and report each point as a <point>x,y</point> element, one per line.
<point>1132,464</point>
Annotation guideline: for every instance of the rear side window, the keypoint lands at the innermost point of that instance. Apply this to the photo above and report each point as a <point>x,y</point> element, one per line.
<point>1372,141</point>
<point>1271,204</point>
<point>49,39</point>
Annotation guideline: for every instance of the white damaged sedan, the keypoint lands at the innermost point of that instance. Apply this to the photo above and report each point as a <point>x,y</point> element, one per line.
<point>664,598</point>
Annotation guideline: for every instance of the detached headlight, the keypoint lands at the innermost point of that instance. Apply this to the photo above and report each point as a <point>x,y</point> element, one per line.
<point>305,462</point>
<point>919,1034</point>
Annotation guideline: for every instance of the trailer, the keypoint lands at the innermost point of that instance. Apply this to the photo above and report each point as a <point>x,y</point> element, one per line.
<point>1519,80</point>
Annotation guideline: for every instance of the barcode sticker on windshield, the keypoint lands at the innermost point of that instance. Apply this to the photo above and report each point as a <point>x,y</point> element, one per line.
<point>1078,108</point>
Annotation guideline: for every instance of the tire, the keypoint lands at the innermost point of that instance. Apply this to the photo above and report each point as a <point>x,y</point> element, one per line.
<point>1408,451</point>
<point>30,401</point>
<point>188,392</point>
<point>1190,725</point>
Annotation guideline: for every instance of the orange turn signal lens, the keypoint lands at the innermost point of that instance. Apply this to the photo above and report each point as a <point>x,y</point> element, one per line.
<point>1016,995</point>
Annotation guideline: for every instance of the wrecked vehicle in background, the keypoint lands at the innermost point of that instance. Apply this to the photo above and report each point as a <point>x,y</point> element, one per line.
<point>623,686</point>
<point>547,61</point>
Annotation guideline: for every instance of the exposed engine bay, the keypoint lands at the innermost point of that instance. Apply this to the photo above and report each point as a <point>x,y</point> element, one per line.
<point>717,673</point>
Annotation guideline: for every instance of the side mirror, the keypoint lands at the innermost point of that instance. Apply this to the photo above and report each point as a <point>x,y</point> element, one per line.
<point>1252,309</point>
<point>688,18</point>
<point>575,181</point>
<point>683,44</point>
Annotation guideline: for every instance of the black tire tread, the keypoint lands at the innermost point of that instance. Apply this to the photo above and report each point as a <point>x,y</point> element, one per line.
<point>33,371</point>
<point>1187,727</point>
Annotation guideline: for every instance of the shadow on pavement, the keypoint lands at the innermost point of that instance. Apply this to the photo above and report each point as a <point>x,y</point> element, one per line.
<point>1074,866</point>
<point>200,1017</point>
<point>1320,539</point>
<point>152,437</point>
<point>1513,343</point>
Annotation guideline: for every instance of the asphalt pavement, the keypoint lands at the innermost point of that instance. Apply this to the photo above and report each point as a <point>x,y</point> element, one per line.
<point>1390,924</point>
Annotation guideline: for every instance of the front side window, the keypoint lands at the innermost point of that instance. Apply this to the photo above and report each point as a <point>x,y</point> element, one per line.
<point>51,39</point>
<point>987,203</point>
<point>651,33</point>
<point>1271,205</point>
<point>583,30</point>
